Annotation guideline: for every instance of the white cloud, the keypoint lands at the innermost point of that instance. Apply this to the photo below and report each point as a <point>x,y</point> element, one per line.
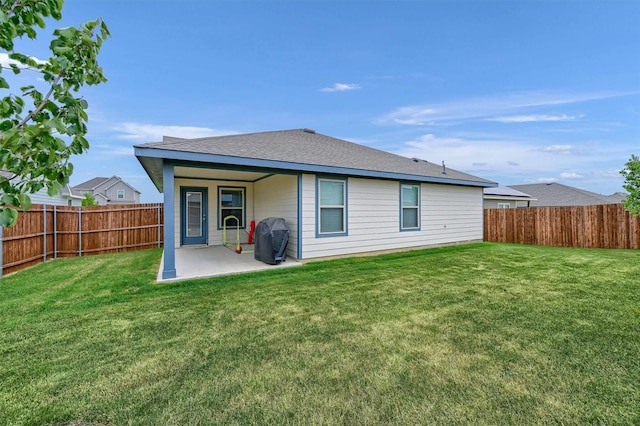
<point>113,149</point>
<point>341,87</point>
<point>560,149</point>
<point>534,118</point>
<point>153,133</point>
<point>485,155</point>
<point>6,61</point>
<point>608,174</point>
<point>483,108</point>
<point>544,180</point>
<point>567,175</point>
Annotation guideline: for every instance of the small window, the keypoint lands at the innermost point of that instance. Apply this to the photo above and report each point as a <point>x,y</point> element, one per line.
<point>410,207</point>
<point>332,203</point>
<point>504,205</point>
<point>120,194</point>
<point>231,202</point>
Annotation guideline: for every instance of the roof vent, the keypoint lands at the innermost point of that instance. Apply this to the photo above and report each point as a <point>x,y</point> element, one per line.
<point>415,160</point>
<point>309,130</point>
<point>444,169</point>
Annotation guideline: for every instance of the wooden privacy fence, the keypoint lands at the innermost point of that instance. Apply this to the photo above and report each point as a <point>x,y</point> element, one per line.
<point>598,226</point>
<point>46,232</point>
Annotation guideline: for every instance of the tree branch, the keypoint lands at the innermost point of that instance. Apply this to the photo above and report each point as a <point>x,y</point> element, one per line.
<point>44,101</point>
<point>10,12</point>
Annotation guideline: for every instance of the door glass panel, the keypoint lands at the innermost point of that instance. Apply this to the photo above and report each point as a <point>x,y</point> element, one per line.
<point>194,214</point>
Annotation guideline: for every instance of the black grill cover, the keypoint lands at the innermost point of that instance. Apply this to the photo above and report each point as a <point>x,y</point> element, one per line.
<point>272,236</point>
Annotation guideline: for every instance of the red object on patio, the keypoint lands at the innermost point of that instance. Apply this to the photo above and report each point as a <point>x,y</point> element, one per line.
<point>252,230</point>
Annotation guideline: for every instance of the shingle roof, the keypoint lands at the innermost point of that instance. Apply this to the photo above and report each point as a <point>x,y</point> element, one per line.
<point>556,195</point>
<point>91,183</point>
<point>306,147</point>
<point>6,174</point>
<point>617,197</point>
<point>505,191</point>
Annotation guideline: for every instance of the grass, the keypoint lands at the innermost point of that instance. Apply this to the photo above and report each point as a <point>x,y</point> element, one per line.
<point>482,334</point>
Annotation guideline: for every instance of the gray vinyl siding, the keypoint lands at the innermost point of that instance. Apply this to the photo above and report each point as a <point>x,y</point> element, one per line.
<point>493,204</point>
<point>130,196</point>
<point>42,197</point>
<point>277,196</point>
<point>449,214</point>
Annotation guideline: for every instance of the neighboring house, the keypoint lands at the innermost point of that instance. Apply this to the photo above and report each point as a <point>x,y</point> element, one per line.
<point>503,197</point>
<point>111,190</point>
<point>337,197</point>
<point>65,197</point>
<point>557,195</point>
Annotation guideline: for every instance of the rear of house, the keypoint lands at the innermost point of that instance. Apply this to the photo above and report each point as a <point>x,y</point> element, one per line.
<point>337,198</point>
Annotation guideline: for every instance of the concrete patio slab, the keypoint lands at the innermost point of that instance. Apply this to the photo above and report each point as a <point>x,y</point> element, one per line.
<point>211,261</point>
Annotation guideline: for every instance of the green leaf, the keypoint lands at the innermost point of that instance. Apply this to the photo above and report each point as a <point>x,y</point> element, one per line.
<point>54,187</point>
<point>25,201</point>
<point>10,200</point>
<point>3,83</point>
<point>8,216</point>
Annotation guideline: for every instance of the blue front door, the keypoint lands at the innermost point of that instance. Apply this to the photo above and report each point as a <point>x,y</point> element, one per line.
<point>193,215</point>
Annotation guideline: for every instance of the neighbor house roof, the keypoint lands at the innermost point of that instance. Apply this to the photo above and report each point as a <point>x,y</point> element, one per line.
<point>92,184</point>
<point>297,150</point>
<point>6,174</point>
<point>617,197</point>
<point>556,194</point>
<point>505,191</point>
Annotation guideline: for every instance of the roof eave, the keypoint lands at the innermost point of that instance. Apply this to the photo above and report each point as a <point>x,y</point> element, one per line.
<point>508,197</point>
<point>152,160</point>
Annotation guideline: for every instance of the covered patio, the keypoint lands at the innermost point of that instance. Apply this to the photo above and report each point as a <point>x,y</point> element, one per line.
<point>211,261</point>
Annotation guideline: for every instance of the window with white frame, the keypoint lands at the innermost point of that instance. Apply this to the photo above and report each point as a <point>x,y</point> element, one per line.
<point>410,207</point>
<point>332,206</point>
<point>120,194</point>
<point>504,205</point>
<point>231,202</point>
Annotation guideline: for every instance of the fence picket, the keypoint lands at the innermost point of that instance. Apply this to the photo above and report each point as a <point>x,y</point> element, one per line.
<point>599,226</point>
<point>79,230</point>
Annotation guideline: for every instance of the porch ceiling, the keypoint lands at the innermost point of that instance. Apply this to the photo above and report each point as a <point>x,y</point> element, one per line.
<point>204,173</point>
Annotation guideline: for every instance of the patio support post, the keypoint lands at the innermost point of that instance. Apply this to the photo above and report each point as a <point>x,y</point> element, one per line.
<point>169,269</point>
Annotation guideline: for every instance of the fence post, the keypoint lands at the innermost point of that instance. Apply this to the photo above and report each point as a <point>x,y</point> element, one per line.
<point>1,257</point>
<point>44,233</point>
<point>80,231</point>
<point>159,233</point>
<point>55,232</point>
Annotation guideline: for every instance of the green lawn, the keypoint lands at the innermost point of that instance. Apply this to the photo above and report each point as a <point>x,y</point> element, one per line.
<point>478,334</point>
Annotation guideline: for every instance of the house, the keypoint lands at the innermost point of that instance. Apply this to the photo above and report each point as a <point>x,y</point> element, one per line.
<point>337,197</point>
<point>65,197</point>
<point>557,195</point>
<point>503,197</point>
<point>111,190</point>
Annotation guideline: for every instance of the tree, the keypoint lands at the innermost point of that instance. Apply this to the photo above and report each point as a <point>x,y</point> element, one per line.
<point>41,130</point>
<point>631,174</point>
<point>89,200</point>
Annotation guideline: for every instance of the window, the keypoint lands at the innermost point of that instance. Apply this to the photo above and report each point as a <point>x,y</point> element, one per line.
<point>504,205</point>
<point>410,207</point>
<point>332,206</point>
<point>231,202</point>
<point>120,194</point>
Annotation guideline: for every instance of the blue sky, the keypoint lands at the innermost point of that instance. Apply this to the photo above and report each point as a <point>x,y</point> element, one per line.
<point>517,92</point>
